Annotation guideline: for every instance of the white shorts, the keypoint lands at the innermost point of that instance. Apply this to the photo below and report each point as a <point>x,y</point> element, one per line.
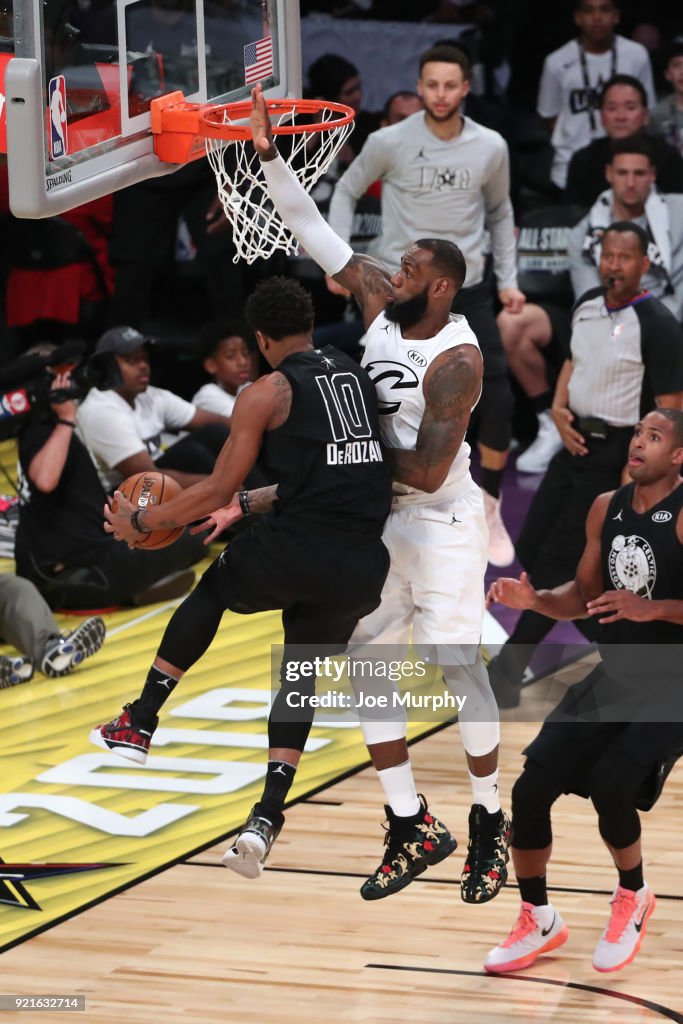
<point>436,578</point>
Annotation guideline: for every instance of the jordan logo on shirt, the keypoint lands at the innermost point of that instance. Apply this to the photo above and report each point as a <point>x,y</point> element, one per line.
<point>617,517</point>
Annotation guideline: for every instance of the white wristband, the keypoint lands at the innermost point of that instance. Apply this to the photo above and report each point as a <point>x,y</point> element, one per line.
<point>303,218</point>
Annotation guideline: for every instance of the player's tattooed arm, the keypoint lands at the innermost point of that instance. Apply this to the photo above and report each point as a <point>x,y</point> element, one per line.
<point>281,398</point>
<point>262,499</point>
<point>369,282</point>
<point>451,388</point>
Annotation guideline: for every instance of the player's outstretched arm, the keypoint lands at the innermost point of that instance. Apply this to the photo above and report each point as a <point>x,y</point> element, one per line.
<point>364,277</point>
<point>263,406</point>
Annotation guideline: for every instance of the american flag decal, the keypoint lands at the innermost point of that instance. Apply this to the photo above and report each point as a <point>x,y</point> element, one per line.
<point>258,60</point>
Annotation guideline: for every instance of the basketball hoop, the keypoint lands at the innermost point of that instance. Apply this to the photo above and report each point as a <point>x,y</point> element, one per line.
<point>315,130</point>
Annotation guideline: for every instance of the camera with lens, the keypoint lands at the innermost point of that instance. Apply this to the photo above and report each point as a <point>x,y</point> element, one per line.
<point>26,382</point>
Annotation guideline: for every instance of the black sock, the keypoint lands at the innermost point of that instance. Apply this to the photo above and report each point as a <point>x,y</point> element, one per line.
<point>279,778</point>
<point>157,689</point>
<point>533,890</point>
<point>490,481</point>
<point>632,879</point>
<point>541,403</point>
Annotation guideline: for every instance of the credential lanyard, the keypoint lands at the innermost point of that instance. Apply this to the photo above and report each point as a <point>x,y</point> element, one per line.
<point>587,83</point>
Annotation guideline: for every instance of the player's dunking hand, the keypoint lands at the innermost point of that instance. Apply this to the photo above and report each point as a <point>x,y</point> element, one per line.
<point>514,593</point>
<point>219,520</point>
<point>261,128</point>
<point>622,604</point>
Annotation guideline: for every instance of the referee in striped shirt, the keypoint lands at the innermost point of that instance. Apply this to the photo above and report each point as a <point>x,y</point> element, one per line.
<point>626,357</point>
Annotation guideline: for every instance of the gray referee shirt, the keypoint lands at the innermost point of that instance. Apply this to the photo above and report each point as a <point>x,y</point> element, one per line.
<point>623,358</point>
<point>435,189</point>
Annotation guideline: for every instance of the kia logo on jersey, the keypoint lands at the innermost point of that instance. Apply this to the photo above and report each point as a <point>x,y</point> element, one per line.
<point>417,358</point>
<point>57,104</point>
<point>661,517</point>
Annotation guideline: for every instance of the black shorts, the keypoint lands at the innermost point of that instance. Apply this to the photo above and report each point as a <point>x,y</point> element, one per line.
<point>557,350</point>
<point>569,748</point>
<point>477,304</point>
<point>323,579</point>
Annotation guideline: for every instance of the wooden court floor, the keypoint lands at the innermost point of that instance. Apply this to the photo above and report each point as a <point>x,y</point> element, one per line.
<point>200,944</point>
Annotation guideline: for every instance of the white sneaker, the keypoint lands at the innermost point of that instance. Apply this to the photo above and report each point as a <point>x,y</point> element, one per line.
<point>501,550</point>
<point>537,930</point>
<point>625,929</point>
<point>251,848</point>
<point>547,443</point>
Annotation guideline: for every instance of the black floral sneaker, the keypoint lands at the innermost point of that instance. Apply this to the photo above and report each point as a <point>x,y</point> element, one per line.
<point>250,850</point>
<point>412,845</point>
<point>485,872</point>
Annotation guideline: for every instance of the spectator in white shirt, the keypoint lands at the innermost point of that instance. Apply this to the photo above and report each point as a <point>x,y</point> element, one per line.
<point>123,427</point>
<point>573,77</point>
<point>228,358</point>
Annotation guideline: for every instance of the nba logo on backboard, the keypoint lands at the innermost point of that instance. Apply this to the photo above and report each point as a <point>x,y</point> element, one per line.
<point>57,101</point>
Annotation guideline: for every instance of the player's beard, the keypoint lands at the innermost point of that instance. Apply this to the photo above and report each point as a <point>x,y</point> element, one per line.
<point>409,312</point>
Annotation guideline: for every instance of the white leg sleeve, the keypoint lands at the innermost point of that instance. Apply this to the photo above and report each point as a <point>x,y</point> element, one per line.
<point>303,218</point>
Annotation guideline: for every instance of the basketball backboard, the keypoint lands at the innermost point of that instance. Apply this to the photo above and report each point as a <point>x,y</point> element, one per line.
<point>79,77</point>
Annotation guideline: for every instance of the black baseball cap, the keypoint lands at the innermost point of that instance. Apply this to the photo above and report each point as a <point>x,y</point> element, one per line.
<point>121,341</point>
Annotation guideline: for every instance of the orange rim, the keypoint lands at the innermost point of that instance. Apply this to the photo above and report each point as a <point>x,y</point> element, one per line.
<point>212,125</point>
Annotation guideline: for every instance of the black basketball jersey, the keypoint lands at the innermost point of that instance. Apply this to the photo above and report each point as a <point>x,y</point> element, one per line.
<point>326,456</point>
<point>642,553</point>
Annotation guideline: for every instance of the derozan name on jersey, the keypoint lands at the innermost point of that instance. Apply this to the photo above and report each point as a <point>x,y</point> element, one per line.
<point>353,451</point>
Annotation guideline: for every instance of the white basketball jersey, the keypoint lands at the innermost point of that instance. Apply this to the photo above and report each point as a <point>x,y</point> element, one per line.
<point>397,367</point>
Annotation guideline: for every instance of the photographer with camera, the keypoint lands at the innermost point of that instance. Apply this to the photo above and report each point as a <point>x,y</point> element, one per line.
<point>60,544</point>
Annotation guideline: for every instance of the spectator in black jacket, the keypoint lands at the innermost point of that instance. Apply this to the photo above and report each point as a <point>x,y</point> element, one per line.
<point>623,112</point>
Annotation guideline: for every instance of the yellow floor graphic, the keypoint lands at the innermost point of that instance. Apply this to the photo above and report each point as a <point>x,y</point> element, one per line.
<point>77,823</point>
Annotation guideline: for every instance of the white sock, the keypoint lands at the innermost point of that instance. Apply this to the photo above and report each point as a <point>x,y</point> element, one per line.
<point>485,791</point>
<point>399,787</point>
<point>544,914</point>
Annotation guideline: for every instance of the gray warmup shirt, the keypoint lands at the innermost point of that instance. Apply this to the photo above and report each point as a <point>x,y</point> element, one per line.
<point>453,190</point>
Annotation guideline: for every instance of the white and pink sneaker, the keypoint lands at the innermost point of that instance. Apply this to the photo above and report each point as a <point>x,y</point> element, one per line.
<point>625,929</point>
<point>537,930</point>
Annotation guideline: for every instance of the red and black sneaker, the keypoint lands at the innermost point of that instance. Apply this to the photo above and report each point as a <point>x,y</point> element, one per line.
<point>412,845</point>
<point>485,872</point>
<point>129,735</point>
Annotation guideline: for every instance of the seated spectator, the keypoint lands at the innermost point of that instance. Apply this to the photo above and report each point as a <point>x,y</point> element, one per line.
<point>623,113</point>
<point>569,92</point>
<point>228,358</point>
<point>123,427</point>
<point>61,545</point>
<point>27,623</point>
<point>536,341</point>
<point>632,196</point>
<point>399,106</point>
<point>667,117</point>
<point>334,78</point>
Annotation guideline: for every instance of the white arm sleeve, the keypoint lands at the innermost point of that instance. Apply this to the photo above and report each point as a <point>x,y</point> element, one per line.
<point>304,220</point>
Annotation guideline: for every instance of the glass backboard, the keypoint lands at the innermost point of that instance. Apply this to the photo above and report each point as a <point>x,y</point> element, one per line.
<point>79,77</point>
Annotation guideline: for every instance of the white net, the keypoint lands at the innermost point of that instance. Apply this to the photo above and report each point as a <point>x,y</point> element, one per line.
<point>256,225</point>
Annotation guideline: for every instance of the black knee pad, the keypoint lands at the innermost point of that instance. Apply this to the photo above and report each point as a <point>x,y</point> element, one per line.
<point>614,787</point>
<point>292,714</point>
<point>533,794</point>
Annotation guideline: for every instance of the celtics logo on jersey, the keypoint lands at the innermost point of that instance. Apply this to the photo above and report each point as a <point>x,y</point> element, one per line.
<point>632,565</point>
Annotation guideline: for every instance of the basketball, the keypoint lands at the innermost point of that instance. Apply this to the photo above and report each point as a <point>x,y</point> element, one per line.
<point>145,490</point>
